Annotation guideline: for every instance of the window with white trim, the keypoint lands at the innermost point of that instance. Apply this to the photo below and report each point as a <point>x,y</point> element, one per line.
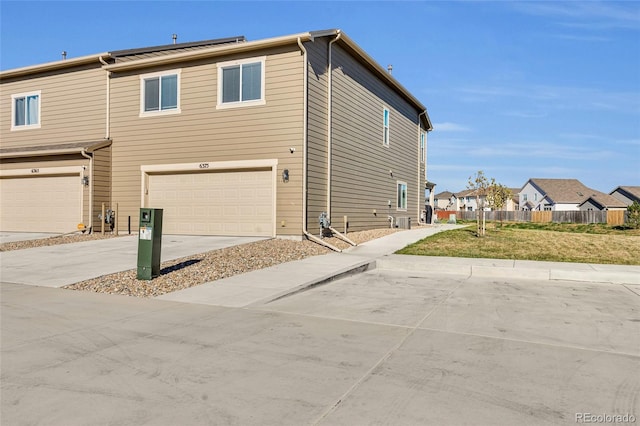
<point>402,196</point>
<point>160,93</point>
<point>241,83</point>
<point>25,110</point>
<point>385,126</point>
<point>423,147</point>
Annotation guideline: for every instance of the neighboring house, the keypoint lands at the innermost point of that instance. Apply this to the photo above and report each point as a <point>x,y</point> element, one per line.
<point>513,203</point>
<point>627,194</point>
<point>601,201</point>
<point>553,194</point>
<point>228,136</point>
<point>467,201</point>
<point>445,201</point>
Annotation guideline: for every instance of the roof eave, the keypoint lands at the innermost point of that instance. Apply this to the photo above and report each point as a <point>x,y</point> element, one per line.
<point>54,66</point>
<point>88,147</point>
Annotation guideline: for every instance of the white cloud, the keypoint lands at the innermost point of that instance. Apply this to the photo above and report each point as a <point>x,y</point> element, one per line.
<point>544,97</point>
<point>450,127</point>
<point>539,151</point>
<point>586,14</point>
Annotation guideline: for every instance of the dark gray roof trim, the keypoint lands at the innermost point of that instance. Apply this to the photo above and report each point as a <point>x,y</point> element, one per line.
<point>165,47</point>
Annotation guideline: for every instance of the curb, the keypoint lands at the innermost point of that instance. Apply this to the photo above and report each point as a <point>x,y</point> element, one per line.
<point>504,269</point>
<point>343,273</point>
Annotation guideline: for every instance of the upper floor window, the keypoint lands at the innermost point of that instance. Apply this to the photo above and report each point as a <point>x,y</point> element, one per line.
<point>423,147</point>
<point>402,196</point>
<point>385,125</point>
<point>241,83</point>
<point>25,111</point>
<point>524,197</point>
<point>160,93</point>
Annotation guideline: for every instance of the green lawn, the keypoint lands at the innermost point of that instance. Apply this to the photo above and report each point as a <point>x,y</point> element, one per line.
<point>591,243</point>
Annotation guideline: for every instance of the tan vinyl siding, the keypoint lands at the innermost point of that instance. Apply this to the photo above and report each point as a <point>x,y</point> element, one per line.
<point>201,133</point>
<point>317,132</point>
<point>361,179</point>
<point>101,184</point>
<point>73,108</point>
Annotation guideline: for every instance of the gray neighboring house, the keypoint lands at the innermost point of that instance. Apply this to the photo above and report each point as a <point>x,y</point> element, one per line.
<point>601,201</point>
<point>553,194</point>
<point>626,194</point>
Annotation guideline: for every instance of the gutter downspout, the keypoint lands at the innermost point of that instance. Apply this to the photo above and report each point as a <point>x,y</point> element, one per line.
<point>90,158</point>
<point>108,118</point>
<point>329,122</point>
<point>304,152</point>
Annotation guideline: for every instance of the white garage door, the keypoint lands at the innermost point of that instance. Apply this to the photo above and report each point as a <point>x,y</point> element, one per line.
<point>40,204</point>
<point>236,203</point>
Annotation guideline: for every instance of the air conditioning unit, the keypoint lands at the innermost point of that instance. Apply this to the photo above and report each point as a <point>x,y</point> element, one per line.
<point>403,222</point>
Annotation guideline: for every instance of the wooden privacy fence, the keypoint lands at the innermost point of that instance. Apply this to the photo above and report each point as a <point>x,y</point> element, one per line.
<point>541,217</point>
<point>616,217</point>
<point>610,217</point>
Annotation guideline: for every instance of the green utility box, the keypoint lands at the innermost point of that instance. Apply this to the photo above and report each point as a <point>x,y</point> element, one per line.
<point>149,243</point>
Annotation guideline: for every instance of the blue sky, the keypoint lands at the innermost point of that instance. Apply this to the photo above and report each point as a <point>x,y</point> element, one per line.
<point>516,89</point>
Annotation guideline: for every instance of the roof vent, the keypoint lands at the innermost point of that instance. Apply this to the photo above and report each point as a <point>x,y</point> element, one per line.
<point>389,68</point>
<point>64,55</point>
<point>175,38</point>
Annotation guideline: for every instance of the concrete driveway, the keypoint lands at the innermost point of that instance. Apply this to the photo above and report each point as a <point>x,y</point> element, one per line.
<point>383,347</point>
<point>10,237</point>
<point>57,266</point>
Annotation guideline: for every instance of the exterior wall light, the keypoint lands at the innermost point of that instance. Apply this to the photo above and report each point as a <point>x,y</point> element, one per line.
<point>285,175</point>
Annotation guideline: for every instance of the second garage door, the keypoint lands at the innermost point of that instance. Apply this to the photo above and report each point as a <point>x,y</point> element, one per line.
<point>40,204</point>
<point>234,203</point>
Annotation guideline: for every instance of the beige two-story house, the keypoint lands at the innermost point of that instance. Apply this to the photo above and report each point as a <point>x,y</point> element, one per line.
<point>228,136</point>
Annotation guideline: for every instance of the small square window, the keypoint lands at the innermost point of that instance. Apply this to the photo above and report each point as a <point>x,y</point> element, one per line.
<point>25,111</point>
<point>160,93</point>
<point>241,83</point>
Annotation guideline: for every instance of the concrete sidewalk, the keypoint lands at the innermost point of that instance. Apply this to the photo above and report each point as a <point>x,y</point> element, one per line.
<point>265,285</point>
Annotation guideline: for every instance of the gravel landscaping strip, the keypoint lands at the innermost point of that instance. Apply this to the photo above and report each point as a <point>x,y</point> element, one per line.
<point>54,241</point>
<point>214,265</point>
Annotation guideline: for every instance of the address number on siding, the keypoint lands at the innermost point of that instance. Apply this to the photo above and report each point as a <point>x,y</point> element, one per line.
<point>204,165</point>
<point>35,170</point>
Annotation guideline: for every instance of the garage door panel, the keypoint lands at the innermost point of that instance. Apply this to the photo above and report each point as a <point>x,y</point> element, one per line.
<point>215,203</point>
<point>40,204</point>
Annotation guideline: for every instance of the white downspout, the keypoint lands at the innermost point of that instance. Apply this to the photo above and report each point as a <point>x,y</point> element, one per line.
<point>305,153</point>
<point>108,118</point>
<point>305,124</point>
<point>329,123</point>
<point>90,158</point>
